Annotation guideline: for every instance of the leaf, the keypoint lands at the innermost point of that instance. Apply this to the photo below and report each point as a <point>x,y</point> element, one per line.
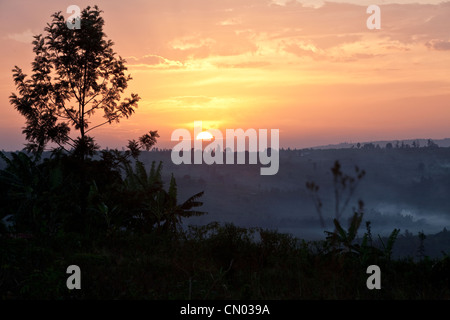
<point>340,230</point>
<point>5,158</point>
<point>391,240</point>
<point>390,243</point>
<point>141,173</point>
<point>365,241</point>
<point>172,192</point>
<point>354,226</point>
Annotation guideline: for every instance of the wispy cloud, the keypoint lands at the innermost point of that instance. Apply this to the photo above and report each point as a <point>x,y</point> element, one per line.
<point>23,37</point>
<point>152,61</point>
<point>439,45</point>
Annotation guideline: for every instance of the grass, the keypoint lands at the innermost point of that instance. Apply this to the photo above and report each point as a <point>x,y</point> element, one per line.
<point>208,262</point>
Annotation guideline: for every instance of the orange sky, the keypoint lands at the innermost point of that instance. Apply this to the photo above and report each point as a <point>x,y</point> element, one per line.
<point>311,69</point>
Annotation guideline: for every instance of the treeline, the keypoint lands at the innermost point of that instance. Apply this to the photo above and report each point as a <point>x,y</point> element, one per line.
<point>398,145</point>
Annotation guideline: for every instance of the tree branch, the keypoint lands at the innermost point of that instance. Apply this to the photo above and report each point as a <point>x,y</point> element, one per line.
<point>101,124</point>
<point>96,106</point>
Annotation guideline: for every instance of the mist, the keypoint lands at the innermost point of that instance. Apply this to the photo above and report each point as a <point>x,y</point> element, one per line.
<point>405,188</point>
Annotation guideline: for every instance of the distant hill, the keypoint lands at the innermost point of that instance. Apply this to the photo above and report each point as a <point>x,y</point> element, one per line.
<point>422,142</point>
<point>405,188</point>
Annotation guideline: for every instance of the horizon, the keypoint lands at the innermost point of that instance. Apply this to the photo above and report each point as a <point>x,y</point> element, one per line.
<point>316,72</point>
<point>156,148</point>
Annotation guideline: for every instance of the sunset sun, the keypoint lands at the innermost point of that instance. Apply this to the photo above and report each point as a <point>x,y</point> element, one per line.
<point>205,135</point>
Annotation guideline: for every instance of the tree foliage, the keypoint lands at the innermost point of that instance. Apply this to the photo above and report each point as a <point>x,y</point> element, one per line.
<point>75,73</point>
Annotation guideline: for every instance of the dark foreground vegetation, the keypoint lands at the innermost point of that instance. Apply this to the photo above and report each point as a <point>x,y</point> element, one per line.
<point>123,231</point>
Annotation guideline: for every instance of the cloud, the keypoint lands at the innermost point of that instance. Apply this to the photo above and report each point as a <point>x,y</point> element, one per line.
<point>415,23</point>
<point>336,54</point>
<point>23,37</point>
<point>200,100</point>
<point>244,65</point>
<point>196,103</point>
<point>199,46</point>
<point>332,31</point>
<point>230,22</point>
<point>439,45</point>
<point>152,61</point>
<point>302,50</point>
<point>191,42</point>
<point>356,57</point>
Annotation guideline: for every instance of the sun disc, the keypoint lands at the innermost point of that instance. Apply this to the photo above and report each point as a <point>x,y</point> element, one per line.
<point>205,135</point>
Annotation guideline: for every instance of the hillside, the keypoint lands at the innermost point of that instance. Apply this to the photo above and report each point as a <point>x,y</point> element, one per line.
<point>405,188</point>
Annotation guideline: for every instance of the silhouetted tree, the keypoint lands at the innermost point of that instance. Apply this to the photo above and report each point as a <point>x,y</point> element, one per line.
<point>421,249</point>
<point>313,188</point>
<point>157,208</point>
<point>369,146</point>
<point>75,74</point>
<point>344,188</point>
<point>431,144</point>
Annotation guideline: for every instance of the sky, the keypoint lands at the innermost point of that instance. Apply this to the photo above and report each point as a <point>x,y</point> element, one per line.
<point>311,69</point>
